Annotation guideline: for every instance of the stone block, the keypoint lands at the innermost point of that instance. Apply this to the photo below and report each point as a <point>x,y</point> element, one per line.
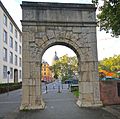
<point>84,66</point>
<point>32,82</point>
<point>25,46</point>
<point>87,87</point>
<point>77,29</point>
<point>91,37</point>
<point>25,94</point>
<point>50,34</point>
<point>32,101</point>
<point>25,55</point>
<point>26,70</point>
<point>74,37</point>
<point>96,89</point>
<point>87,97</point>
<point>41,28</point>
<point>25,82</point>
<point>95,76</point>
<point>68,35</point>
<point>88,16</point>
<point>29,14</point>
<point>32,91</point>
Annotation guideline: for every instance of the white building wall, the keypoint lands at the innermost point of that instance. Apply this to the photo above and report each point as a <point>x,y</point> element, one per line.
<point>9,49</point>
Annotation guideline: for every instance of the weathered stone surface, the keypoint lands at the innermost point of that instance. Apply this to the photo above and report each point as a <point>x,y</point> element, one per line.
<point>72,25</point>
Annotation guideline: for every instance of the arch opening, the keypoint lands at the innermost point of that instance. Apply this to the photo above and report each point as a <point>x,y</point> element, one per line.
<point>59,71</point>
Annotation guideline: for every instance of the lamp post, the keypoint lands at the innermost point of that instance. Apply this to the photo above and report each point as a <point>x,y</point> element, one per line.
<point>8,72</point>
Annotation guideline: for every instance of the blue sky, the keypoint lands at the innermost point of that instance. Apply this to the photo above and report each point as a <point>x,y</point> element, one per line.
<point>107,45</point>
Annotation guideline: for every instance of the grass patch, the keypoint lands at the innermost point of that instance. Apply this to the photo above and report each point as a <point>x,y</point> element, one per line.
<point>76,93</point>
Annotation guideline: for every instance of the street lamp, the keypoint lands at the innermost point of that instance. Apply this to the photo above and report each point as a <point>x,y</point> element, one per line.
<point>8,72</point>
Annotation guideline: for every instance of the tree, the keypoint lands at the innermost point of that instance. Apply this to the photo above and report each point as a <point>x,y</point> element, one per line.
<point>109,16</point>
<point>65,67</point>
<point>111,64</point>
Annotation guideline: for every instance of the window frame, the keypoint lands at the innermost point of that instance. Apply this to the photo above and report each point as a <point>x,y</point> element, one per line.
<point>11,57</point>
<point>4,72</point>
<point>16,60</point>
<point>5,54</point>
<point>11,42</point>
<point>5,20</point>
<point>11,27</point>
<point>5,36</point>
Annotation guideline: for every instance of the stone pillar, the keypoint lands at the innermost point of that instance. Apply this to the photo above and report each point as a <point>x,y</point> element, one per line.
<point>89,82</point>
<point>89,89</point>
<point>31,83</point>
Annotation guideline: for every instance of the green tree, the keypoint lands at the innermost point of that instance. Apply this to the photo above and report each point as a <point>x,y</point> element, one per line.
<point>109,16</point>
<point>65,67</point>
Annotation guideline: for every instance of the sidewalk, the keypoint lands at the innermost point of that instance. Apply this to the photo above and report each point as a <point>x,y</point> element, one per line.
<point>61,106</point>
<point>113,109</point>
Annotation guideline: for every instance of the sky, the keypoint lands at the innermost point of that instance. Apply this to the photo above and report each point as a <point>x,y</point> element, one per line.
<point>107,45</point>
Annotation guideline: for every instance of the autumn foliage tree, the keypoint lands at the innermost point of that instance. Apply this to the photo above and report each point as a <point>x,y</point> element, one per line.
<point>111,64</point>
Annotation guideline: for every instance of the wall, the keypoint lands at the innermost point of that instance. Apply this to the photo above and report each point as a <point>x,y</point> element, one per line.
<point>109,92</point>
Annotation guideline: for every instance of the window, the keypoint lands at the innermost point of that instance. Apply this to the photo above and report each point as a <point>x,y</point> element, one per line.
<point>4,54</point>
<point>16,34</point>
<point>16,60</point>
<point>5,36</point>
<point>15,46</point>
<point>20,74</point>
<point>20,62</point>
<point>11,73</point>
<point>44,73</point>
<point>20,38</point>
<point>11,57</point>
<point>20,50</point>
<point>11,42</point>
<point>11,28</point>
<point>5,20</point>
<point>4,72</point>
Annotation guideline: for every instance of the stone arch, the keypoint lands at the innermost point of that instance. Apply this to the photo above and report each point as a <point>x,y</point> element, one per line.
<point>72,47</point>
<point>48,24</point>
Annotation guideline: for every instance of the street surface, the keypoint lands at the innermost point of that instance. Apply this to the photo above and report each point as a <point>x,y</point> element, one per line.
<point>58,106</point>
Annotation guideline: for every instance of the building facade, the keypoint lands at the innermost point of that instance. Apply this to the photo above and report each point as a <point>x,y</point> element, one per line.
<point>10,48</point>
<point>46,72</point>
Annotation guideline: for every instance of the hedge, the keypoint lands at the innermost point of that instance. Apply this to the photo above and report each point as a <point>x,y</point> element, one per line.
<point>11,86</point>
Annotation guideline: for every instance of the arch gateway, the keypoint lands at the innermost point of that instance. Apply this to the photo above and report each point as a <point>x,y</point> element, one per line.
<point>48,24</point>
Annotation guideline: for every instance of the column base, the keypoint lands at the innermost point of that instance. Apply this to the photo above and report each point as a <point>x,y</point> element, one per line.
<point>32,107</point>
<point>89,104</point>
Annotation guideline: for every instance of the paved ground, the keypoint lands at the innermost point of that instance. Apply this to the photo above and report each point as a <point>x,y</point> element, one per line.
<point>58,106</point>
<point>9,103</point>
